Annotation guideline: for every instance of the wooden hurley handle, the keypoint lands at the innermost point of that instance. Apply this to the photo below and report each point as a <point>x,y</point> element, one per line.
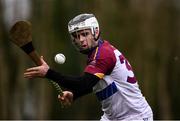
<point>29,49</point>
<point>35,57</point>
<point>20,34</point>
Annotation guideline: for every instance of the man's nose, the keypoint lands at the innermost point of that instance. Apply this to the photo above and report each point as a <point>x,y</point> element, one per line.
<point>81,38</point>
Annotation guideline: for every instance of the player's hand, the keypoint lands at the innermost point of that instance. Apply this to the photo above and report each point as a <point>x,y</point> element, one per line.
<point>38,71</point>
<point>66,98</point>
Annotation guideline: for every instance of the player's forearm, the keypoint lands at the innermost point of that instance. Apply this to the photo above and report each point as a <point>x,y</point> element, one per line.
<point>77,94</point>
<point>76,84</point>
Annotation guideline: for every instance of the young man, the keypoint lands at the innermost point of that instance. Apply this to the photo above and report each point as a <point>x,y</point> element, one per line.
<point>108,74</point>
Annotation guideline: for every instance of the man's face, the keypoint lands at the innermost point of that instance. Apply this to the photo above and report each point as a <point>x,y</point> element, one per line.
<point>84,40</point>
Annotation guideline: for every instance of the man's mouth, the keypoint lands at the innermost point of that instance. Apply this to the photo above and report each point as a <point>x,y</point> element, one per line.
<point>84,46</point>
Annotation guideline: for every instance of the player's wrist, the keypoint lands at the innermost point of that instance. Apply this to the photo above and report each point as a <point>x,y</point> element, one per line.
<point>45,70</point>
<point>48,73</point>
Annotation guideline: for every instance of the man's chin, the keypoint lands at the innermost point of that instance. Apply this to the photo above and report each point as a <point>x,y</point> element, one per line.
<point>85,51</point>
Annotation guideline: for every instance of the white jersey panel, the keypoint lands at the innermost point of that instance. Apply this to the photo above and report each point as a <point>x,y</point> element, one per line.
<point>126,99</point>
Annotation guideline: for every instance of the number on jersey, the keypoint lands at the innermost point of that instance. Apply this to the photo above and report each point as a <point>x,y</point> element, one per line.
<point>123,60</point>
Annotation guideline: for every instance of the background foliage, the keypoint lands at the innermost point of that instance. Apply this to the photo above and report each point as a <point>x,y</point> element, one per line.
<point>147,32</point>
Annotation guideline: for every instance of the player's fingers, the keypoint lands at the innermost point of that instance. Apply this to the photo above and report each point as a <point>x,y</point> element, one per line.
<point>42,60</point>
<point>69,97</point>
<point>32,69</point>
<point>64,100</point>
<point>60,97</point>
<point>67,102</point>
<point>31,74</point>
<point>28,76</point>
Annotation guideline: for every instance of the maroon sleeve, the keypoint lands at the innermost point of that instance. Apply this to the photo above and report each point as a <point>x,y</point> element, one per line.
<point>103,64</point>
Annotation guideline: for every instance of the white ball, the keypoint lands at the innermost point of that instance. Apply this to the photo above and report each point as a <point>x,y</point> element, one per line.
<point>60,58</point>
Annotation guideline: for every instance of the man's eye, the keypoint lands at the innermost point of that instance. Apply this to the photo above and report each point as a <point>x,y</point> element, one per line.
<point>85,34</point>
<point>74,35</point>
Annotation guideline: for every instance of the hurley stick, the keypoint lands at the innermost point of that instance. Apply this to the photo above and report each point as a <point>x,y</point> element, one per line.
<point>20,34</point>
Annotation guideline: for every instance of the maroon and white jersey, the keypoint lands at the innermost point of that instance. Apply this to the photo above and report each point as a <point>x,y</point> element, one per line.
<point>118,90</point>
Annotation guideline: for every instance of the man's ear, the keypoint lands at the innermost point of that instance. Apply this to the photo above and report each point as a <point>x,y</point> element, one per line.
<point>96,32</point>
